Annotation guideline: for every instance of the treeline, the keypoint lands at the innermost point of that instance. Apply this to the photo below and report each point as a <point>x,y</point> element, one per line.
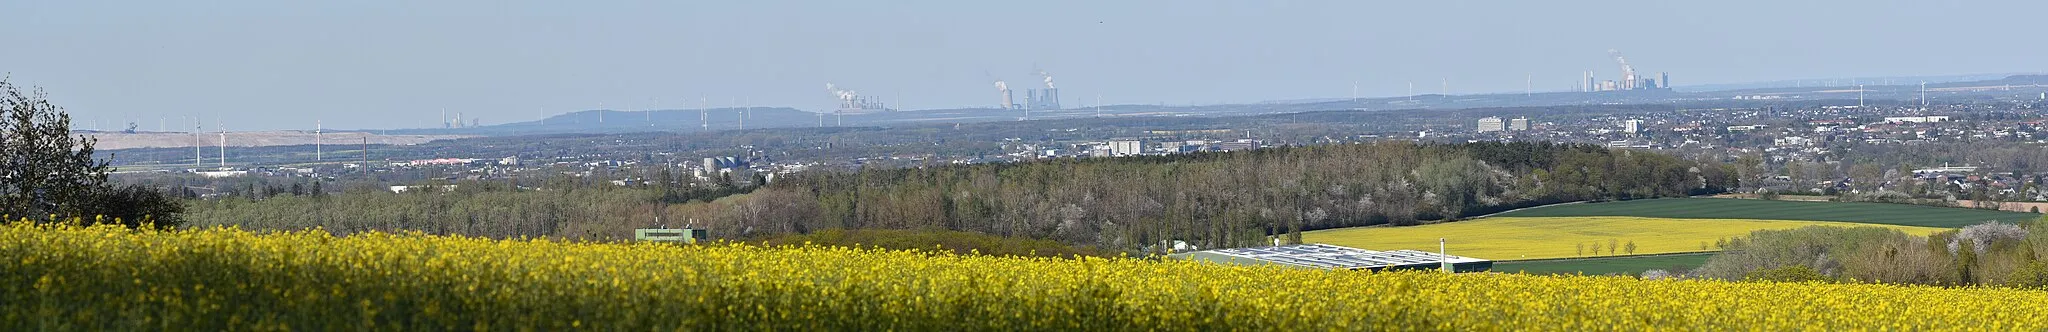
<point>1118,204</point>
<point>1223,199</point>
<point>1985,254</point>
<point>562,208</point>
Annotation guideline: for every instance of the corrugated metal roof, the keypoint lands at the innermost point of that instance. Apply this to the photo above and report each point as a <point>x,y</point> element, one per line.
<point>1324,256</point>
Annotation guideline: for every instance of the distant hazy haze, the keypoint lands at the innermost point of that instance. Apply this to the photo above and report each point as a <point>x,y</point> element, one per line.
<point>383,64</point>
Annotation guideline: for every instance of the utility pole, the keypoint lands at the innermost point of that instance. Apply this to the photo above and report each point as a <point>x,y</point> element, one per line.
<point>1443,259</point>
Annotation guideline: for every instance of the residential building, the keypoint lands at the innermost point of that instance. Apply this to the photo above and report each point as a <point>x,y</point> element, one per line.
<point>1491,124</point>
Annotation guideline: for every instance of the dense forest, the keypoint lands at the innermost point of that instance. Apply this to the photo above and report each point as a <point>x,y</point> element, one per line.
<point>1234,199</point>
<point>1205,199</point>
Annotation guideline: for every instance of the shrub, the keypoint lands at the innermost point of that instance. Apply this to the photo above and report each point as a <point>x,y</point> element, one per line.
<point>1983,236</point>
<point>1820,248</point>
<point>1795,273</point>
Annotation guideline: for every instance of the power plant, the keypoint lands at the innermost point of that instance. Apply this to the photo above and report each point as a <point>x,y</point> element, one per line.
<point>1629,80</point>
<point>851,102</point>
<point>1008,102</point>
<point>1042,99</point>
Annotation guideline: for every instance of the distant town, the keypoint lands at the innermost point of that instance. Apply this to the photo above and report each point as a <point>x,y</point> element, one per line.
<point>1803,142</point>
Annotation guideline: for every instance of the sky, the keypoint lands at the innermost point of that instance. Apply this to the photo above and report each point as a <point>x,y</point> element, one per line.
<point>377,64</point>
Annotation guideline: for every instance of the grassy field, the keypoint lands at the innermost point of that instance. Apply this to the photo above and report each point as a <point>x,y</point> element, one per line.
<point>1723,208</point>
<point>1628,265</point>
<point>1517,238</point>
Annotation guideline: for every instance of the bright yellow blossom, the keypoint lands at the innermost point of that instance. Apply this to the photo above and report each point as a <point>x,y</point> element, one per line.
<point>55,277</point>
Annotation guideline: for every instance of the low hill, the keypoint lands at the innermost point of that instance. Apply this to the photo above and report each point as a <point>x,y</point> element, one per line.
<point>1724,208</point>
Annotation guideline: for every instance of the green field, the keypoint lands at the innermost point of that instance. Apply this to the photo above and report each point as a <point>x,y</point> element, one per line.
<point>1725,208</point>
<point>1630,265</point>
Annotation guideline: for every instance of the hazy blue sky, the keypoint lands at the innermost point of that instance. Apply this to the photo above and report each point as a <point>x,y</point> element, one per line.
<point>383,64</point>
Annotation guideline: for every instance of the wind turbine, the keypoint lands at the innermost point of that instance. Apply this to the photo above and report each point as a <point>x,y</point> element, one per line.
<point>196,156</point>
<point>223,145</point>
<point>316,139</point>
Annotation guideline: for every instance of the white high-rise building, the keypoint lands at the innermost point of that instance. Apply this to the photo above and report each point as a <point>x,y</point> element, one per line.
<point>1126,148</point>
<point>1490,124</point>
<point>1518,124</point>
<point>1632,126</point>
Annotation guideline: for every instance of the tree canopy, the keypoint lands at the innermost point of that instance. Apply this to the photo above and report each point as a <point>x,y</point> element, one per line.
<point>47,174</point>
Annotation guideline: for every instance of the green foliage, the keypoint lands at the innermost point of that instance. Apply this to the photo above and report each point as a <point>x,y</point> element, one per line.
<point>1794,273</point>
<point>47,174</point>
<point>1239,198</point>
<point>2033,275</point>
<point>1861,253</point>
<point>1120,204</point>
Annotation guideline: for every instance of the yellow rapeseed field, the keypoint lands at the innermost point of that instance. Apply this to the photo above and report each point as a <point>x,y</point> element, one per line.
<point>1515,238</point>
<point>107,278</point>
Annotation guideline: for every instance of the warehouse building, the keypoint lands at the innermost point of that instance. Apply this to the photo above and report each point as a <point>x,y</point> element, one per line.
<point>1324,256</point>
